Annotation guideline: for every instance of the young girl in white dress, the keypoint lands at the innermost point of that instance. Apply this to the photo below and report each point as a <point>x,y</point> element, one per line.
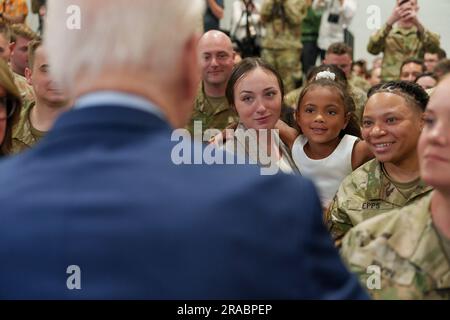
<point>329,146</point>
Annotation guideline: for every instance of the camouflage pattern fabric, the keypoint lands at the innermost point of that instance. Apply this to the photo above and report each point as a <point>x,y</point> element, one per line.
<point>24,135</point>
<point>25,90</point>
<point>287,63</point>
<point>282,44</point>
<point>406,247</point>
<point>398,44</point>
<point>291,98</point>
<point>360,98</point>
<point>366,193</point>
<point>214,113</point>
<point>360,83</point>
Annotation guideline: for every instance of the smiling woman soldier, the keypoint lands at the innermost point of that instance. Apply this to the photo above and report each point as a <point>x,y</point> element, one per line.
<point>410,247</point>
<point>391,126</point>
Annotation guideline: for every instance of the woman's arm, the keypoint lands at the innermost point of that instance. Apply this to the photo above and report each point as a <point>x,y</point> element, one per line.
<point>287,133</point>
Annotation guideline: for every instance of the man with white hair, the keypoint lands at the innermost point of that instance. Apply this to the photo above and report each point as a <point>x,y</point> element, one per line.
<point>104,213</point>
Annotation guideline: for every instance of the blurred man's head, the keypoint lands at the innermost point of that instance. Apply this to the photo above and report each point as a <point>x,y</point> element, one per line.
<point>432,57</point>
<point>359,68</point>
<point>5,42</point>
<point>107,54</point>
<point>411,69</point>
<point>375,76</point>
<point>377,62</point>
<point>216,56</point>
<point>442,69</point>
<point>340,55</point>
<point>45,89</point>
<point>426,80</point>
<point>21,37</point>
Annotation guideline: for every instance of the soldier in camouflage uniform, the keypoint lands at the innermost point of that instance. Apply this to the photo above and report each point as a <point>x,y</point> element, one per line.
<point>406,39</point>
<point>213,112</point>
<point>392,134</point>
<point>21,36</point>
<point>26,91</point>
<point>341,55</point>
<point>366,193</point>
<point>358,82</point>
<point>411,246</point>
<point>24,134</point>
<point>411,68</point>
<point>9,108</point>
<point>37,117</point>
<point>407,248</point>
<point>217,61</point>
<point>282,44</point>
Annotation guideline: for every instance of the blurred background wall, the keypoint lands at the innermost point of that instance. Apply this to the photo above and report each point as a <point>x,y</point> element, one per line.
<point>434,15</point>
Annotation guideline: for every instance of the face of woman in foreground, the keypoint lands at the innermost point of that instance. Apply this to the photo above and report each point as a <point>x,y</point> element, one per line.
<point>258,99</point>
<point>434,143</point>
<point>391,127</point>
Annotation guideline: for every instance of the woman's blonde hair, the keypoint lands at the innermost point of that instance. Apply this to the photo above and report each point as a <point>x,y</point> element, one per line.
<point>14,101</point>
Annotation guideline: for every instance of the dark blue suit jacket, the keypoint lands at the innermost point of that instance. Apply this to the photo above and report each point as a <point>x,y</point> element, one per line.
<point>101,192</point>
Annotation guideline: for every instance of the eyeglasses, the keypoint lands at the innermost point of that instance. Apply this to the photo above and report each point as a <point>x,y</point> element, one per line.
<point>8,106</point>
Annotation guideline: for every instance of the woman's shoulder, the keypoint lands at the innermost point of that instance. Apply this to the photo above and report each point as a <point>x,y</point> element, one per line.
<point>369,171</point>
<point>347,142</point>
<point>387,224</point>
<point>300,141</point>
<point>393,239</point>
<point>348,138</point>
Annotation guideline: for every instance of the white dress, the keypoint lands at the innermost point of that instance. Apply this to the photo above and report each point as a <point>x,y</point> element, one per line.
<point>328,173</point>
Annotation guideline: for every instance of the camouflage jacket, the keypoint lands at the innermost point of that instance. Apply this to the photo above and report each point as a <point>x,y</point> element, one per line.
<point>283,33</point>
<point>406,248</point>
<point>291,98</point>
<point>360,83</point>
<point>25,90</point>
<point>365,193</point>
<point>24,135</point>
<point>214,113</point>
<point>398,44</point>
<point>360,98</point>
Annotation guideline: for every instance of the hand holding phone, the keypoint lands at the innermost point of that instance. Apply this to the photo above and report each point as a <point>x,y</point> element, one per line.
<point>401,10</point>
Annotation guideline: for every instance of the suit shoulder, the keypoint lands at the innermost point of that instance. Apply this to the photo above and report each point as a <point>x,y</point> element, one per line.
<point>274,193</point>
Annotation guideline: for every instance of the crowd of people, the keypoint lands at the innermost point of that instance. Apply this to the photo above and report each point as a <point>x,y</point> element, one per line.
<point>362,153</point>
